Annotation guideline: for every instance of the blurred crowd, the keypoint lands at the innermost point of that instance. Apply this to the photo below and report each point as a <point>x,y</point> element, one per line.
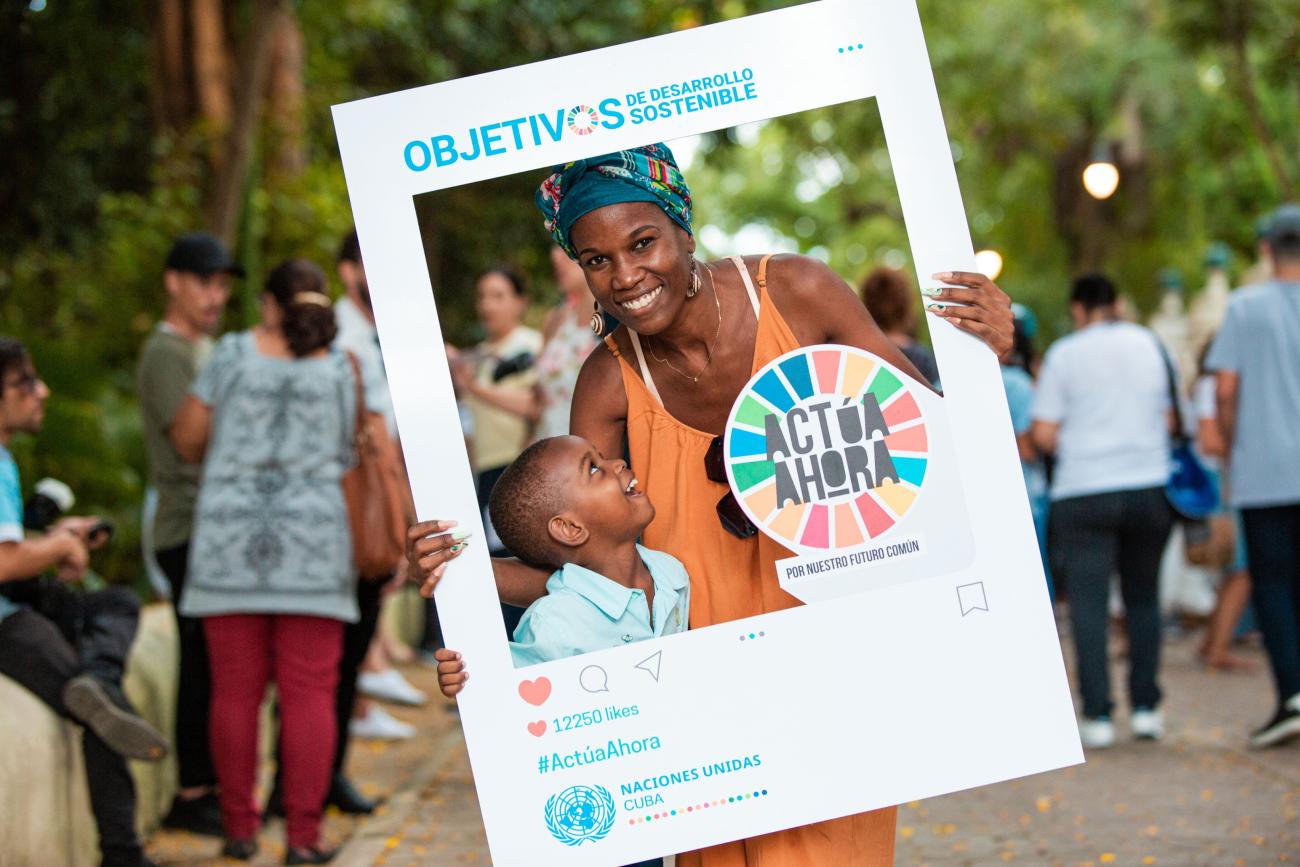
<point>250,438</point>
<point>1160,464</point>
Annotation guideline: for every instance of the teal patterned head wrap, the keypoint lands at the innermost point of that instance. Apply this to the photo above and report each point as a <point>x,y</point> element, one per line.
<point>644,174</point>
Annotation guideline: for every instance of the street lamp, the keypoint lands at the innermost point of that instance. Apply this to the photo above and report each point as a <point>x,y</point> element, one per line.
<point>1101,177</point>
<point>989,263</point>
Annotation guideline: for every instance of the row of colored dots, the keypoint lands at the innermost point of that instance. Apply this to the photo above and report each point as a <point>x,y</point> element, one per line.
<point>753,635</point>
<point>694,808</point>
<point>851,47</point>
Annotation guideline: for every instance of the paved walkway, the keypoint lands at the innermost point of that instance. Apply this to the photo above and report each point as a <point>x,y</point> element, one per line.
<point>1196,798</point>
<point>398,771</point>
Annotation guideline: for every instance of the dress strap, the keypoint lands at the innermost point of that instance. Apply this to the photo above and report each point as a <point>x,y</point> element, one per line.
<point>749,284</point>
<point>762,273</point>
<point>612,346</point>
<point>645,371</point>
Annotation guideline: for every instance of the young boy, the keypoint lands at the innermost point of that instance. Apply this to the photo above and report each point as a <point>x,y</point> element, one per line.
<point>562,505</point>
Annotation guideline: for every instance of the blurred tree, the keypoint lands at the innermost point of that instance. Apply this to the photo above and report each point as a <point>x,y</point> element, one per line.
<point>1259,43</point>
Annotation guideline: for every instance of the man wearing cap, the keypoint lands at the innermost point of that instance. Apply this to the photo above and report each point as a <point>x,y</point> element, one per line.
<point>197,279</point>
<point>1256,359</point>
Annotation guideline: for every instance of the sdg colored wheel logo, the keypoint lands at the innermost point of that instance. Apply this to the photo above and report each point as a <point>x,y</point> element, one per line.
<point>579,814</point>
<point>826,448</point>
<point>582,119</point>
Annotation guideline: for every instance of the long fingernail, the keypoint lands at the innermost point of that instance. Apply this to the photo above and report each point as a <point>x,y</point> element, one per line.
<point>942,275</point>
<point>935,308</point>
<point>447,525</point>
<point>462,534</point>
<point>456,549</point>
<point>931,290</point>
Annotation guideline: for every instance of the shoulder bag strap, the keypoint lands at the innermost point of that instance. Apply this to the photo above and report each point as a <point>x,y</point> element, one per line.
<point>358,432</point>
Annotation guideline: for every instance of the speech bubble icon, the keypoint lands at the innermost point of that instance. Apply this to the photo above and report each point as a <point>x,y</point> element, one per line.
<point>971,598</point>
<point>593,679</point>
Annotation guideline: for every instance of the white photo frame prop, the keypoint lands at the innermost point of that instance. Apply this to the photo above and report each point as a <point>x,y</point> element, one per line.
<point>940,682</point>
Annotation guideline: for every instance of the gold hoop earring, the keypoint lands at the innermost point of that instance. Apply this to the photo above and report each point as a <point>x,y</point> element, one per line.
<point>695,280</point>
<point>597,321</point>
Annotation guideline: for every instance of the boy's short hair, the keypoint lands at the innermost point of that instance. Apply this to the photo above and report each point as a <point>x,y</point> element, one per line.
<point>522,503</point>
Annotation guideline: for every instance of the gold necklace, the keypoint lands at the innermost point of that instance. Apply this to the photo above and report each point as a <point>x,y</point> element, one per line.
<point>708,350</point>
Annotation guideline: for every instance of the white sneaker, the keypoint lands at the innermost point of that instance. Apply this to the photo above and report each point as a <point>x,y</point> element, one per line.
<point>1147,724</point>
<point>389,685</point>
<point>1097,734</point>
<point>380,725</point>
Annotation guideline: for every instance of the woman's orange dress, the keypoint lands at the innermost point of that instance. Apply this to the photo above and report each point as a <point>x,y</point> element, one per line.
<point>668,458</point>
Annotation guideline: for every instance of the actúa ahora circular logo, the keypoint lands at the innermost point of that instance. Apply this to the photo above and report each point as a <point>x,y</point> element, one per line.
<point>826,448</point>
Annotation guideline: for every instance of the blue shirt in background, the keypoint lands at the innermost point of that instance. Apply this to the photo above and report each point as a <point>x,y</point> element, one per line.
<point>1260,342</point>
<point>1019,386</point>
<point>11,513</point>
<point>583,611</point>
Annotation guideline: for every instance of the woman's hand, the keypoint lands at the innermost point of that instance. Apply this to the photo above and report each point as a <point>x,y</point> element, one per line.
<point>981,308</point>
<point>451,672</point>
<point>429,547</point>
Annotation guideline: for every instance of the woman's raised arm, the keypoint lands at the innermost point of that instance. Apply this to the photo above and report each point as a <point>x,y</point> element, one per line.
<point>821,306</point>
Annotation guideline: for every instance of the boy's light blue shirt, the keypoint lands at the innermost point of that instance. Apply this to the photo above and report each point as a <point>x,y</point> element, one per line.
<point>584,611</point>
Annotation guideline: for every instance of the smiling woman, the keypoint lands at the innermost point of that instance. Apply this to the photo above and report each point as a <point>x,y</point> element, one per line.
<point>691,336</point>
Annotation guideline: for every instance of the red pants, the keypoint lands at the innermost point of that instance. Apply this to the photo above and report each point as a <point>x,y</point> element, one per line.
<point>301,654</point>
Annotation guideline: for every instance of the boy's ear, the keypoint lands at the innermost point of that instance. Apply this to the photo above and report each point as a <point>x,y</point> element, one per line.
<point>566,531</point>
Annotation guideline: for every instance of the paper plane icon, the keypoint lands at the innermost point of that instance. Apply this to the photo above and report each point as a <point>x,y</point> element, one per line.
<point>650,665</point>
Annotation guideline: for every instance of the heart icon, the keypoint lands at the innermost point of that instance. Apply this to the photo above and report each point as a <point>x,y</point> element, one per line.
<point>537,729</point>
<point>535,692</point>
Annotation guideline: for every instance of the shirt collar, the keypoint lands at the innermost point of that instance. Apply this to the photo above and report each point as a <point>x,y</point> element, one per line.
<point>674,578</point>
<point>611,597</point>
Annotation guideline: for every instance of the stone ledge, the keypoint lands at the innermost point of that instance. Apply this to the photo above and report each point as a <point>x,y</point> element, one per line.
<point>44,807</point>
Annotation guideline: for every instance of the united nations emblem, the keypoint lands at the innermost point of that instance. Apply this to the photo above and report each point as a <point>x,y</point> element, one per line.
<point>580,813</point>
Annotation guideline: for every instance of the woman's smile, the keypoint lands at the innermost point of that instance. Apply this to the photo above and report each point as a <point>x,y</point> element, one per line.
<point>639,302</point>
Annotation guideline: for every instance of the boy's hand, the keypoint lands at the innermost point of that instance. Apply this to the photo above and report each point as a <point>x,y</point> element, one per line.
<point>451,672</point>
<point>428,549</point>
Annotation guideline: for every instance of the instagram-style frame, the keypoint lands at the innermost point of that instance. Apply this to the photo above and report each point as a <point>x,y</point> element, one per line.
<point>892,694</point>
